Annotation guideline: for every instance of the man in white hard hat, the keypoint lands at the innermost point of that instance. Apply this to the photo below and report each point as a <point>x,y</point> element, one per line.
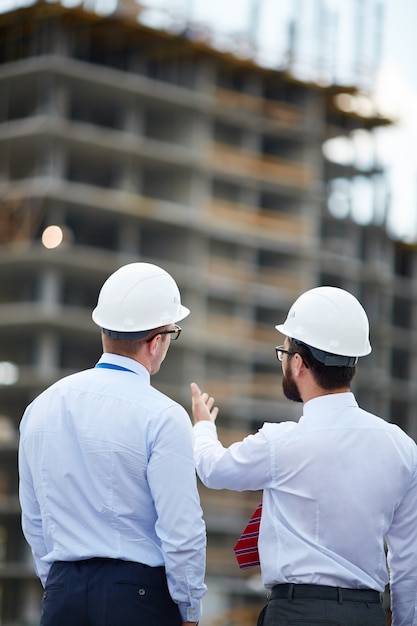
<point>336,485</point>
<point>108,490</point>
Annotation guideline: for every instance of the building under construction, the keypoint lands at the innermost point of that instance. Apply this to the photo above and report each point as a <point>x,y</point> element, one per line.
<point>140,144</point>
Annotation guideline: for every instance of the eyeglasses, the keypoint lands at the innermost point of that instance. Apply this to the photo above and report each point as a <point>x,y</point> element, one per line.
<point>175,333</point>
<point>280,351</point>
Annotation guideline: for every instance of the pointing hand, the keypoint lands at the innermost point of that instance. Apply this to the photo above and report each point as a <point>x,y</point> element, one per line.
<point>203,408</point>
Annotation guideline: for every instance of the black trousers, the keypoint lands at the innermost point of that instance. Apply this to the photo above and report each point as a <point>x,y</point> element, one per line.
<point>107,592</point>
<point>318,605</point>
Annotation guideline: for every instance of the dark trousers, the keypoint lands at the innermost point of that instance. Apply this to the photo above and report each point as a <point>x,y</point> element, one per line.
<point>107,592</point>
<point>317,605</point>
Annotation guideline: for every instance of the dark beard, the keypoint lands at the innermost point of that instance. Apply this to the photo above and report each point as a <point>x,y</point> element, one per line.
<point>289,387</point>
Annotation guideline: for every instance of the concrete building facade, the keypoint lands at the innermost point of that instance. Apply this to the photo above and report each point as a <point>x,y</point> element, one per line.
<point>142,145</point>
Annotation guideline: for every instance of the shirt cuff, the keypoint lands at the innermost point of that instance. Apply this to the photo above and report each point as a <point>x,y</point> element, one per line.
<point>190,613</point>
<point>206,429</point>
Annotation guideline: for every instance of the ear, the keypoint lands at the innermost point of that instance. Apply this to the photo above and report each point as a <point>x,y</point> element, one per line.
<point>153,345</point>
<point>297,365</point>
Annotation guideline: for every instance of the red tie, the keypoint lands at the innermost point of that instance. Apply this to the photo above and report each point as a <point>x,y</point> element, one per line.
<point>246,548</point>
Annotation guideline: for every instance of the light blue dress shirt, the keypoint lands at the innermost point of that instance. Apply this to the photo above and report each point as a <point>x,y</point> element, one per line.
<point>335,484</point>
<point>107,470</point>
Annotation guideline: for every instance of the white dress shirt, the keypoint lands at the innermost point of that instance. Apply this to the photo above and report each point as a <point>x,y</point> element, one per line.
<point>335,484</point>
<point>107,470</point>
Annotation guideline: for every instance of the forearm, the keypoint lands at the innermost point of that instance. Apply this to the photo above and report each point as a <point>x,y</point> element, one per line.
<point>403,603</point>
<point>186,584</point>
<point>32,519</point>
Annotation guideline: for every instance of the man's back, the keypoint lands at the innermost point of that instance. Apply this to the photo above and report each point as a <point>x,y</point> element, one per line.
<point>97,445</point>
<point>338,477</point>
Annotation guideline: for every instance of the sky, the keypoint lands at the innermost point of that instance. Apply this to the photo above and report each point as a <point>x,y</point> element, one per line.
<point>397,91</point>
<point>348,41</point>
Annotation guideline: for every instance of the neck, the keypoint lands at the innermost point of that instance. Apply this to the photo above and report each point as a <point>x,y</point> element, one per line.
<point>319,391</point>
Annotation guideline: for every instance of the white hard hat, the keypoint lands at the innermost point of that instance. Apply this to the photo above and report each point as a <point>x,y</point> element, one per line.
<point>138,297</point>
<point>330,319</point>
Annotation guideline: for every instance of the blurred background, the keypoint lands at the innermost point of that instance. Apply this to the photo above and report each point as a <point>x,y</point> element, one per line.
<point>255,149</point>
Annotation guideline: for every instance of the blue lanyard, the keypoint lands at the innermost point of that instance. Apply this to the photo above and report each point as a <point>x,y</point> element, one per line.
<point>111,366</point>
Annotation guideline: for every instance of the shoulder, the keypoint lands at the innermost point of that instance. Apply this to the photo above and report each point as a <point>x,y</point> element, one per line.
<point>272,430</point>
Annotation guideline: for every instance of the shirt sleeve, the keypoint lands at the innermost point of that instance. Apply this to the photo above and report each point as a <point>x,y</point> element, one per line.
<point>402,558</point>
<point>245,465</point>
<point>31,517</point>
<point>180,526</point>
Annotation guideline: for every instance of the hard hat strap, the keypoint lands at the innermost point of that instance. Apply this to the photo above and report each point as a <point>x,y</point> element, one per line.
<point>115,334</point>
<point>328,358</point>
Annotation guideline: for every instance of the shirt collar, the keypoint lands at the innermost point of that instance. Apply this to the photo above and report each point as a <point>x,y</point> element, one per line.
<point>128,363</point>
<point>316,406</point>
